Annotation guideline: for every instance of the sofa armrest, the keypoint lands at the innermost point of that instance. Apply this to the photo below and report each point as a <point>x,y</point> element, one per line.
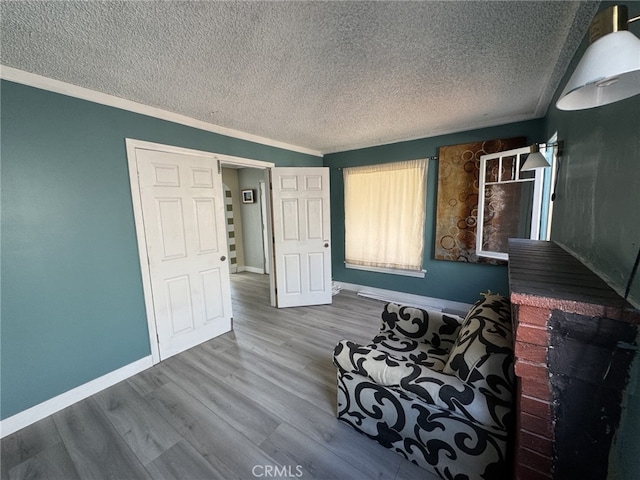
<point>380,367</point>
<point>462,398</point>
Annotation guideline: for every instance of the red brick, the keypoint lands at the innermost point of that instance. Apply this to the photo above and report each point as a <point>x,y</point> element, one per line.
<point>530,371</point>
<point>532,334</point>
<point>537,425</point>
<point>531,353</point>
<point>535,461</point>
<point>525,473</point>
<point>534,389</point>
<point>536,443</point>
<point>535,406</point>
<point>533,315</point>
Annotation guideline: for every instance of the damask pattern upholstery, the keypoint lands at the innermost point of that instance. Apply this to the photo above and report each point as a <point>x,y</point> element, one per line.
<point>435,388</point>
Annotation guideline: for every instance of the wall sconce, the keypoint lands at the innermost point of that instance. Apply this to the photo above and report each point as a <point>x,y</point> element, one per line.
<point>534,160</point>
<point>609,71</point>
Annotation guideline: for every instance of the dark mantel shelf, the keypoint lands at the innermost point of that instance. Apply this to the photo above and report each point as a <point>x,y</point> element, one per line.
<point>543,274</point>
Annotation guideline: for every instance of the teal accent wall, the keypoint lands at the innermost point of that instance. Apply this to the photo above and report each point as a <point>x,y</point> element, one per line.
<point>596,216</point>
<point>72,301</point>
<point>461,282</point>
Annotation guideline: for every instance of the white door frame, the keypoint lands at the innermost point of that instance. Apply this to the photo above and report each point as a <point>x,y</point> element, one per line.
<point>131,145</point>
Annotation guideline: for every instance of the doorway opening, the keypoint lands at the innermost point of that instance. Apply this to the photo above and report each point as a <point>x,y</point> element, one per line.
<point>246,191</point>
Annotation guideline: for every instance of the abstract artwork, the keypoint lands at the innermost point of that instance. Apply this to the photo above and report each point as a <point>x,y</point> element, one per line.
<point>457,204</point>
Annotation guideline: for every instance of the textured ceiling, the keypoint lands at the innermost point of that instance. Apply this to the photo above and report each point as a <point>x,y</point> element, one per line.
<point>326,76</point>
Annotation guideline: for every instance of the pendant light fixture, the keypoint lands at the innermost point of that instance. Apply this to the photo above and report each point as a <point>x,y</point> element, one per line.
<point>609,71</point>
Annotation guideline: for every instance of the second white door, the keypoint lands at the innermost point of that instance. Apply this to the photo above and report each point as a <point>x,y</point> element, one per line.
<point>302,235</point>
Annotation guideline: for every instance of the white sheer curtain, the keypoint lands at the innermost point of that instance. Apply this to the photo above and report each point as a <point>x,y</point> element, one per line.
<point>384,215</point>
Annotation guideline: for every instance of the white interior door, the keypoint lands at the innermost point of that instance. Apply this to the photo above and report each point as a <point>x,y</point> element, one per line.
<point>182,203</point>
<point>302,235</point>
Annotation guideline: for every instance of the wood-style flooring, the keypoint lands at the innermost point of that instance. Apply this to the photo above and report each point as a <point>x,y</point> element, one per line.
<point>258,402</point>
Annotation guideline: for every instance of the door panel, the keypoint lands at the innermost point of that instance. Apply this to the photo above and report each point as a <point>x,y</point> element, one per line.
<point>301,230</point>
<point>184,226</point>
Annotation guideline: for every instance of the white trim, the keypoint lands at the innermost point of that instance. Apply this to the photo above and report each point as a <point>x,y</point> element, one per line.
<point>392,271</point>
<point>136,201</point>
<point>44,83</point>
<point>536,198</point>
<point>251,269</point>
<point>55,404</point>
<point>228,160</point>
<point>402,298</point>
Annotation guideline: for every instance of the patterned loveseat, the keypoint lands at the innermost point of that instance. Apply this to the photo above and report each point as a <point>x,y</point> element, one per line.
<point>435,388</point>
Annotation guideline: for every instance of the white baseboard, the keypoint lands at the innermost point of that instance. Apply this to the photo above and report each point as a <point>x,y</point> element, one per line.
<point>251,269</point>
<point>420,301</point>
<point>38,412</point>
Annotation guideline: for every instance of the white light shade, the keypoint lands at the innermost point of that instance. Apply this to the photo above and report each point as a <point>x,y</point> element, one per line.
<point>533,161</point>
<point>609,71</point>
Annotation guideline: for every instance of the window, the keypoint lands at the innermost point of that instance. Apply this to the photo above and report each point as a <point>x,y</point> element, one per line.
<point>511,202</point>
<point>384,217</point>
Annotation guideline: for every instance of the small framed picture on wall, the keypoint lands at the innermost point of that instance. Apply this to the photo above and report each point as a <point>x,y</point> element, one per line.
<point>247,196</point>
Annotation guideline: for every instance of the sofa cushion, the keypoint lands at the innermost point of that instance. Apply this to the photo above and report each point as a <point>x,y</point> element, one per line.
<point>484,340</point>
<point>408,350</point>
<point>382,368</point>
<point>423,337</point>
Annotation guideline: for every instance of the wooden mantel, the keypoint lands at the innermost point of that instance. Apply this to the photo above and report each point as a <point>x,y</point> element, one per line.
<point>574,343</point>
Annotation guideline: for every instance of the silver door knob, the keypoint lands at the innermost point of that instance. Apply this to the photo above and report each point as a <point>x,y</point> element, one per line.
<point>223,258</point>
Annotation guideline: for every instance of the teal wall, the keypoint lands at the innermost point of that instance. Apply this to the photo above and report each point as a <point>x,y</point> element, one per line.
<point>598,195</point>
<point>455,281</point>
<point>72,302</point>
<point>596,215</point>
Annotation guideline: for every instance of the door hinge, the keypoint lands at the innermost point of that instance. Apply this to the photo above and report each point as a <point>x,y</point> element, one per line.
<point>219,167</point>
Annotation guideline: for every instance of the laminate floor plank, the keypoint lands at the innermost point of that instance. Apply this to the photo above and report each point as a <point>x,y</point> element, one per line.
<point>148,380</point>
<point>217,441</point>
<point>301,455</point>
<point>372,459</point>
<point>183,462</point>
<point>27,443</point>
<point>245,415</point>
<point>276,353</point>
<point>142,428</point>
<point>291,380</point>
<point>95,447</point>
<point>208,360</point>
<point>53,463</point>
<point>259,399</point>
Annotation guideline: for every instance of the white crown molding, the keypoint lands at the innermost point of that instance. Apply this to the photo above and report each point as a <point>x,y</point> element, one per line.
<point>49,407</point>
<point>44,83</point>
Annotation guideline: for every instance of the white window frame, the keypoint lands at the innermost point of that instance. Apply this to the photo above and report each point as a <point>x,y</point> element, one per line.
<point>537,196</point>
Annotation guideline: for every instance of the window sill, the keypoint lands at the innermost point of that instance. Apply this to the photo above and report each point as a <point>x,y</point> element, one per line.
<point>392,271</point>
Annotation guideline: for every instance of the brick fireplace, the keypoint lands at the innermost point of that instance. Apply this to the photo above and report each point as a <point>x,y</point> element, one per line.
<point>574,343</point>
